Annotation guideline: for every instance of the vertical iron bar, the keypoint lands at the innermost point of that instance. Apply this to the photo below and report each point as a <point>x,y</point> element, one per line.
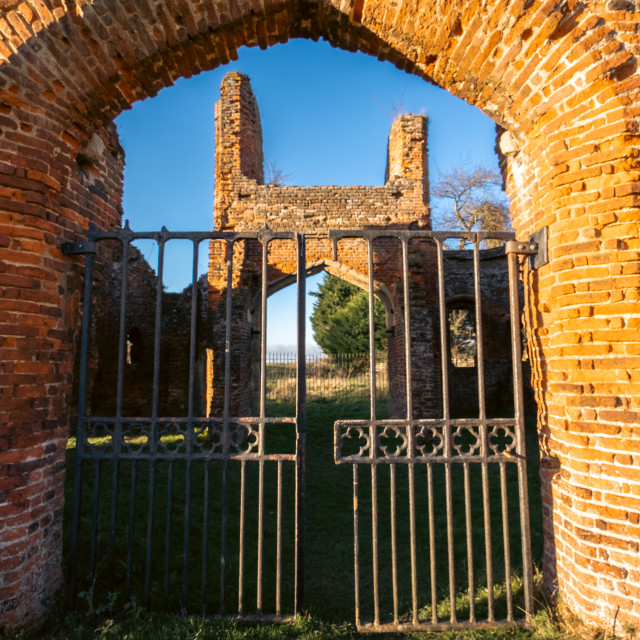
<point>374,437</point>
<point>225,427</point>
<point>447,429</point>
<point>132,524</point>
<point>486,509</point>
<point>482,410</point>
<point>467,517</point>
<point>356,544</point>
<point>301,424</point>
<point>167,534</point>
<point>410,429</point>
<point>205,537</point>
<point>153,430</point>
<point>394,551</point>
<point>260,532</point>
<point>432,546</point>
<point>243,464</point>
<point>505,539</point>
<point>261,426</point>
<point>117,435</point>
<point>514,312</point>
<point>279,541</point>
<point>122,330</point>
<point>96,515</point>
<point>450,543</point>
<point>114,506</point>
<point>189,435</point>
<point>81,429</point>
<point>444,350</point>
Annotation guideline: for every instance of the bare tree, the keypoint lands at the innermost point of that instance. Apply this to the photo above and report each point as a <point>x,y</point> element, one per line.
<point>274,175</point>
<point>472,200</point>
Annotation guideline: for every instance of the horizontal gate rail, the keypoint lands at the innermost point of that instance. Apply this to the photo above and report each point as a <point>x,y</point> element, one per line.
<point>432,439</point>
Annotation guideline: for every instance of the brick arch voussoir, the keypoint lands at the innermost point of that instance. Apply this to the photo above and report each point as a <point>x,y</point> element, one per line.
<point>112,58</point>
<point>89,66</point>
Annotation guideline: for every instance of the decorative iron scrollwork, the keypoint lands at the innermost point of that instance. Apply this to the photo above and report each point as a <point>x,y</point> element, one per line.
<point>502,441</point>
<point>207,438</point>
<point>98,437</point>
<point>243,438</point>
<point>136,437</point>
<point>360,440</point>
<point>466,441</point>
<point>172,438</point>
<point>393,441</point>
<point>429,441</point>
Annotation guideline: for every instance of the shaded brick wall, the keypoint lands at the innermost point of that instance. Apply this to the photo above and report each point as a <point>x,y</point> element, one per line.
<point>560,79</point>
<point>139,341</point>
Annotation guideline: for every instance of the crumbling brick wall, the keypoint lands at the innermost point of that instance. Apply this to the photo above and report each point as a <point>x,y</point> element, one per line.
<point>139,343</point>
<point>244,203</point>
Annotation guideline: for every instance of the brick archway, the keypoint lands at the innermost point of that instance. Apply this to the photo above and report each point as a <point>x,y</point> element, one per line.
<point>560,78</point>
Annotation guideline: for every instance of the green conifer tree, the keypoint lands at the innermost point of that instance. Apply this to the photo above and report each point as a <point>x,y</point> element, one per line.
<point>340,318</point>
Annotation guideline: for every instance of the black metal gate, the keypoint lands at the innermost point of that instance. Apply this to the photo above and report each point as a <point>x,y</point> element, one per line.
<point>207,512</point>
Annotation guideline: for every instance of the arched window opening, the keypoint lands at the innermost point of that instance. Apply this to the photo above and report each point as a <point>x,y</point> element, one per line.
<point>461,322</point>
<point>134,346</point>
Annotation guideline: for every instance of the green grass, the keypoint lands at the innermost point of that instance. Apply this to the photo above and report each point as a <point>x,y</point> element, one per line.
<point>104,606</point>
<point>134,623</point>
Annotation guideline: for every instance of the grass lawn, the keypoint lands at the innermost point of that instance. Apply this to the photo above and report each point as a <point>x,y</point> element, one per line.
<point>113,569</point>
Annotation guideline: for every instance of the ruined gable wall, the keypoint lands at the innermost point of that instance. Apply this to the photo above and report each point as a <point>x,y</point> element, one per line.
<point>243,203</point>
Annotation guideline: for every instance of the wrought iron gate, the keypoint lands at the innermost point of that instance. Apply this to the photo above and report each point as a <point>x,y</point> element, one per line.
<point>217,501</point>
<point>448,447</point>
<point>140,540</point>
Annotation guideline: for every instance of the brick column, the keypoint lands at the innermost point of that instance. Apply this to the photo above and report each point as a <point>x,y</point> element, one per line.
<point>52,183</point>
<point>584,334</point>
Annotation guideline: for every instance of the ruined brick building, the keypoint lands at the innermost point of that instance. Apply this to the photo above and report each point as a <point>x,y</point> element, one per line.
<point>561,80</point>
<point>244,203</point>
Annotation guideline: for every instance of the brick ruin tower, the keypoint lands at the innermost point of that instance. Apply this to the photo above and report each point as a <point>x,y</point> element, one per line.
<point>244,203</point>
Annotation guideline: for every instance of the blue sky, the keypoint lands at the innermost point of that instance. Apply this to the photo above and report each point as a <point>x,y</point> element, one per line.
<point>325,116</point>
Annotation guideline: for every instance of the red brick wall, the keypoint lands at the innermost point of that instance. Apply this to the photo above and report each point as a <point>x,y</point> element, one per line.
<point>560,78</point>
<point>40,207</point>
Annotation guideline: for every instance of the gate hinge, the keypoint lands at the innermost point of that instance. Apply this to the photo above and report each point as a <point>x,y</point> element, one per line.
<point>535,247</point>
<point>522,248</point>
<point>78,248</point>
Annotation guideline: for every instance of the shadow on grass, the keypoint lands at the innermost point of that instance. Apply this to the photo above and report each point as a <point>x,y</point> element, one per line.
<point>127,542</point>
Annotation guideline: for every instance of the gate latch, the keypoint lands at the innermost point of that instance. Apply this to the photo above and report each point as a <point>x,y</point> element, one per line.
<point>78,248</point>
<point>535,247</point>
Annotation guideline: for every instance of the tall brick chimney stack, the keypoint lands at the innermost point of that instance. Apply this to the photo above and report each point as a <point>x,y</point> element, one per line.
<point>238,139</point>
<point>408,160</point>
